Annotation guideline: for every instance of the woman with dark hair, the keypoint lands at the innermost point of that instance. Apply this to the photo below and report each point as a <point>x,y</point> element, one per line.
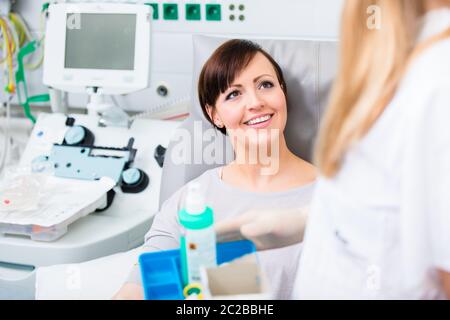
<point>243,94</point>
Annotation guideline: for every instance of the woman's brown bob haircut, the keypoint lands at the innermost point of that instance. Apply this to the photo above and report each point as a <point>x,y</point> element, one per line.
<point>225,64</point>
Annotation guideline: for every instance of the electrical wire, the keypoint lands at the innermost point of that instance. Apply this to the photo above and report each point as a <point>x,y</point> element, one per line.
<point>8,47</point>
<point>14,34</point>
<point>18,34</point>
<point>5,154</point>
<point>20,29</point>
<point>41,43</point>
<point>8,32</point>
<point>24,32</point>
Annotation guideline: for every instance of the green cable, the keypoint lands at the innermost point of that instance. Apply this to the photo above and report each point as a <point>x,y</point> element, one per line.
<point>22,92</point>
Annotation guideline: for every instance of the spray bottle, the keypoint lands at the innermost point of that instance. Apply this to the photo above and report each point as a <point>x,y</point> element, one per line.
<point>198,244</point>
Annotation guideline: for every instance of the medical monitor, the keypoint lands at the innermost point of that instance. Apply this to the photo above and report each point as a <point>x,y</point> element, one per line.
<point>97,45</point>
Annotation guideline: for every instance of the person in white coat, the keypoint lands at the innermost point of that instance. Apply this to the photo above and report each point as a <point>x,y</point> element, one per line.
<point>379,223</point>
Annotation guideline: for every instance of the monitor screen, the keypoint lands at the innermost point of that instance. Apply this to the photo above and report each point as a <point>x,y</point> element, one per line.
<point>100,41</point>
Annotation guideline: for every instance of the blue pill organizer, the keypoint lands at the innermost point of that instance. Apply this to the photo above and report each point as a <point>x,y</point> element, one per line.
<point>161,272</point>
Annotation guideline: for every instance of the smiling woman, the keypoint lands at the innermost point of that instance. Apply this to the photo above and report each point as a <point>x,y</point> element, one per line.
<point>242,93</point>
<point>221,83</point>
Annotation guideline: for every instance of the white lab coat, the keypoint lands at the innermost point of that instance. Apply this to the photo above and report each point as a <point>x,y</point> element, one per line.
<point>381,227</point>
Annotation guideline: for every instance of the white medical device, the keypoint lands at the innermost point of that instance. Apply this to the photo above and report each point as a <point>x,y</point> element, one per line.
<point>97,48</point>
<point>119,228</point>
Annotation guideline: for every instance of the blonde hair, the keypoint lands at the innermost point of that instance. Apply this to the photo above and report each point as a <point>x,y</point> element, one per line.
<point>372,62</point>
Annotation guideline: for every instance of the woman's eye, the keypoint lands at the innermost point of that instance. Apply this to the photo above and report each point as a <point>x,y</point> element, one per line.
<point>232,95</point>
<point>266,85</point>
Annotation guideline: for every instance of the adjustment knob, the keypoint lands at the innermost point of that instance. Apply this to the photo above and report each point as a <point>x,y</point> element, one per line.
<point>78,135</point>
<point>134,180</point>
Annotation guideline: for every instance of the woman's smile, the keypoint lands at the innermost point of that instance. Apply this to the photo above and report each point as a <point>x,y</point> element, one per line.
<point>260,122</point>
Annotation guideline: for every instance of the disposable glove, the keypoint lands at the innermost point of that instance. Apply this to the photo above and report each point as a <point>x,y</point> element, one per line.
<point>268,229</point>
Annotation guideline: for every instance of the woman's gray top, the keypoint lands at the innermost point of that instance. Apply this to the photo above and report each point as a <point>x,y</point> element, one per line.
<point>279,265</point>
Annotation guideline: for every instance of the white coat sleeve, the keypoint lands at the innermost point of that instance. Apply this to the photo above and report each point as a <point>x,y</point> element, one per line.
<point>425,184</point>
<point>437,188</point>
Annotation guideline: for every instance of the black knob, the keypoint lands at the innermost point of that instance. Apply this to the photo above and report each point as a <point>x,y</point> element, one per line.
<point>160,152</point>
<point>70,121</point>
<point>134,180</point>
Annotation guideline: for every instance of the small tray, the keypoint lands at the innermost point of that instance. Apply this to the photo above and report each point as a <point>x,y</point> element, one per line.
<point>161,271</point>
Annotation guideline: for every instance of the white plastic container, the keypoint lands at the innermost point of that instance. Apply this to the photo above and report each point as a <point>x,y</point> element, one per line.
<point>198,245</point>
